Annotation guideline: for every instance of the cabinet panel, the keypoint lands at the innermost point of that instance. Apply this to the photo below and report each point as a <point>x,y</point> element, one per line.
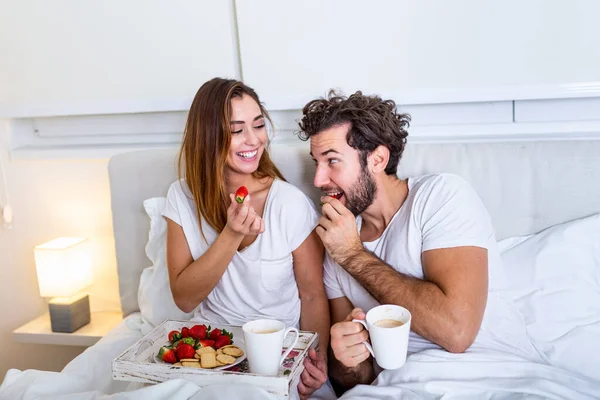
<point>66,57</point>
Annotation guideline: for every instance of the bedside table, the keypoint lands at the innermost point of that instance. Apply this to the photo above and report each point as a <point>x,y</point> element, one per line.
<point>38,330</point>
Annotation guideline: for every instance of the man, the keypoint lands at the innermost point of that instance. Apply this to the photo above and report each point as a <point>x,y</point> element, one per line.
<point>425,243</point>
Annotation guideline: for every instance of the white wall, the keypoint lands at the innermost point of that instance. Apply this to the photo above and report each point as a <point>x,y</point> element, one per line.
<point>419,51</point>
<point>67,57</point>
<point>74,57</point>
<point>49,199</point>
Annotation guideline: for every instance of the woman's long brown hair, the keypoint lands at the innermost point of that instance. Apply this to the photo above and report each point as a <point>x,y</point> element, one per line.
<point>205,146</point>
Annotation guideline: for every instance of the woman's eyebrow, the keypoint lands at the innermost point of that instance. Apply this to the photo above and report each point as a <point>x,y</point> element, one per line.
<point>242,122</point>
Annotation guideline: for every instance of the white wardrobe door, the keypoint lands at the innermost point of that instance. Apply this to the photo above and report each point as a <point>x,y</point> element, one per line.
<point>64,57</point>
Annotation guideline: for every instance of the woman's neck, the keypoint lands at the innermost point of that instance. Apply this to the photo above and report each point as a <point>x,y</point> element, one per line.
<point>234,180</point>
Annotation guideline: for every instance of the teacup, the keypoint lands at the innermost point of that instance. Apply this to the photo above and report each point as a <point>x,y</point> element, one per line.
<point>264,341</point>
<point>389,328</point>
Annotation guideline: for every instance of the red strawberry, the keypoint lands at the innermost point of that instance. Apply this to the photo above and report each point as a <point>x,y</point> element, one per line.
<point>206,343</point>
<point>221,341</point>
<point>198,332</point>
<point>185,350</point>
<point>185,332</point>
<point>215,333</point>
<point>174,336</point>
<point>167,355</point>
<point>241,194</point>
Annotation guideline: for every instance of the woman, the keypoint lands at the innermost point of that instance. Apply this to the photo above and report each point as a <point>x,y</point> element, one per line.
<point>257,259</point>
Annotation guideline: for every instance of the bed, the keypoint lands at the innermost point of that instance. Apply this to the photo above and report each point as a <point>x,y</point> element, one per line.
<point>544,199</point>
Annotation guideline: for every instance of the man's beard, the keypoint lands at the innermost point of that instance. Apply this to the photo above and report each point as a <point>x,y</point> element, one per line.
<point>362,193</point>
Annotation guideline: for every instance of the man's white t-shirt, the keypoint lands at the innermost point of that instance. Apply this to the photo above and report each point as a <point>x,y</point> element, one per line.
<point>259,281</point>
<point>440,211</point>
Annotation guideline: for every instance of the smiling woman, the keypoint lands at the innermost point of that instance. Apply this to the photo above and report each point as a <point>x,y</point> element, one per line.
<point>248,135</point>
<point>225,126</point>
<point>251,255</point>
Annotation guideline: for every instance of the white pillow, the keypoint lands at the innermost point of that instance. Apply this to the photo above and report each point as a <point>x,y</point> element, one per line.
<point>554,279</point>
<point>154,294</point>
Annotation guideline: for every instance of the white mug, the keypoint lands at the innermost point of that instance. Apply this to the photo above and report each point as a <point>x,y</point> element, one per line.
<point>388,344</point>
<point>264,340</point>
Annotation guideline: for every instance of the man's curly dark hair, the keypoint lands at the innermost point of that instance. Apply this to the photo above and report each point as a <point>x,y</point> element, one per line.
<point>373,122</point>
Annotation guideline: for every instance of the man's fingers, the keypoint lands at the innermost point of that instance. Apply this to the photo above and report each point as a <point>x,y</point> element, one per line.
<point>357,313</point>
<point>346,328</point>
<point>262,226</point>
<point>320,231</point>
<point>356,350</point>
<point>335,204</point>
<point>325,223</point>
<point>328,211</point>
<point>361,357</point>
<point>355,355</point>
<point>355,339</point>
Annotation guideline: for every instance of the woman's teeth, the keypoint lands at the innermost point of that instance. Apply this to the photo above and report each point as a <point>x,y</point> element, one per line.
<point>248,154</point>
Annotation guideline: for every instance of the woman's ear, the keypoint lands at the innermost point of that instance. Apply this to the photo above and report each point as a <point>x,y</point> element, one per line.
<point>378,159</point>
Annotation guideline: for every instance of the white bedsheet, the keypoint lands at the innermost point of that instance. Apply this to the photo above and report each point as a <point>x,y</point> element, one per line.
<point>477,374</point>
<point>89,377</point>
<point>435,374</point>
<point>506,369</point>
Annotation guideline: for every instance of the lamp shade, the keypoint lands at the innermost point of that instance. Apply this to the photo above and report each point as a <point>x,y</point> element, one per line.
<point>64,266</point>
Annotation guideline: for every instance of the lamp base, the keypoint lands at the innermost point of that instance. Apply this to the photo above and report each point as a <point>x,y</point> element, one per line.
<point>67,314</point>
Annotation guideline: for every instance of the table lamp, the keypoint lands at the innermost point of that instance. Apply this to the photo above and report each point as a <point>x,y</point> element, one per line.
<point>64,268</point>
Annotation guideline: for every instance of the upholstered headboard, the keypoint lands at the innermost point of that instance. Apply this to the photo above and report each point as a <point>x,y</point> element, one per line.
<point>526,186</point>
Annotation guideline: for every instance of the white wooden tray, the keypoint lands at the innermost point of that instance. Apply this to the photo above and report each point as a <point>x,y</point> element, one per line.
<point>137,363</point>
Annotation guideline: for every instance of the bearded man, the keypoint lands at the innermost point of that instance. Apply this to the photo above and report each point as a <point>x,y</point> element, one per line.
<point>425,243</point>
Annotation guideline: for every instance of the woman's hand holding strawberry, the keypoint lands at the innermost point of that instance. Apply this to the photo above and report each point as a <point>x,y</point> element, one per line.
<point>242,219</point>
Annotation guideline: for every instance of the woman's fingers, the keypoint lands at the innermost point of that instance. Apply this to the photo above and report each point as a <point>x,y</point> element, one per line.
<point>244,213</point>
<point>255,227</point>
<point>243,219</point>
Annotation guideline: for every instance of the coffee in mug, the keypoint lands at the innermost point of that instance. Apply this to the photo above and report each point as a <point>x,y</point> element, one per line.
<point>389,328</point>
<point>264,342</point>
<point>388,323</point>
<point>265,331</point>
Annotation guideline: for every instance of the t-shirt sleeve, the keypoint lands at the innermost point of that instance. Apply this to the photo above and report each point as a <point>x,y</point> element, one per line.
<point>330,279</point>
<point>453,215</point>
<point>301,217</point>
<point>171,209</point>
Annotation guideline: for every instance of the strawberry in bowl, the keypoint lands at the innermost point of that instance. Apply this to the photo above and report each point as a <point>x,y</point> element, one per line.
<point>200,346</point>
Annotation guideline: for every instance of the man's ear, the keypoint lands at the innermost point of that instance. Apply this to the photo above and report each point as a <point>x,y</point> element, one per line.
<point>378,159</point>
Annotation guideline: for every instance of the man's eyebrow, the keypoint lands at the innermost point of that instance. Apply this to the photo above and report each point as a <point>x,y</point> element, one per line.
<point>326,152</point>
<point>242,122</point>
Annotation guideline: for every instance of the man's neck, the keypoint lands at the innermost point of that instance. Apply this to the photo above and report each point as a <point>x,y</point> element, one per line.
<point>391,194</point>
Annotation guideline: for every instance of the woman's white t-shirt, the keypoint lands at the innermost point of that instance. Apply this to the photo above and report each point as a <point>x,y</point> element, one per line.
<point>259,281</point>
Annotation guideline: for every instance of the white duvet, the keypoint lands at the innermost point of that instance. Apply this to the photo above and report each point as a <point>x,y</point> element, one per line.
<point>554,293</point>
<point>89,376</point>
